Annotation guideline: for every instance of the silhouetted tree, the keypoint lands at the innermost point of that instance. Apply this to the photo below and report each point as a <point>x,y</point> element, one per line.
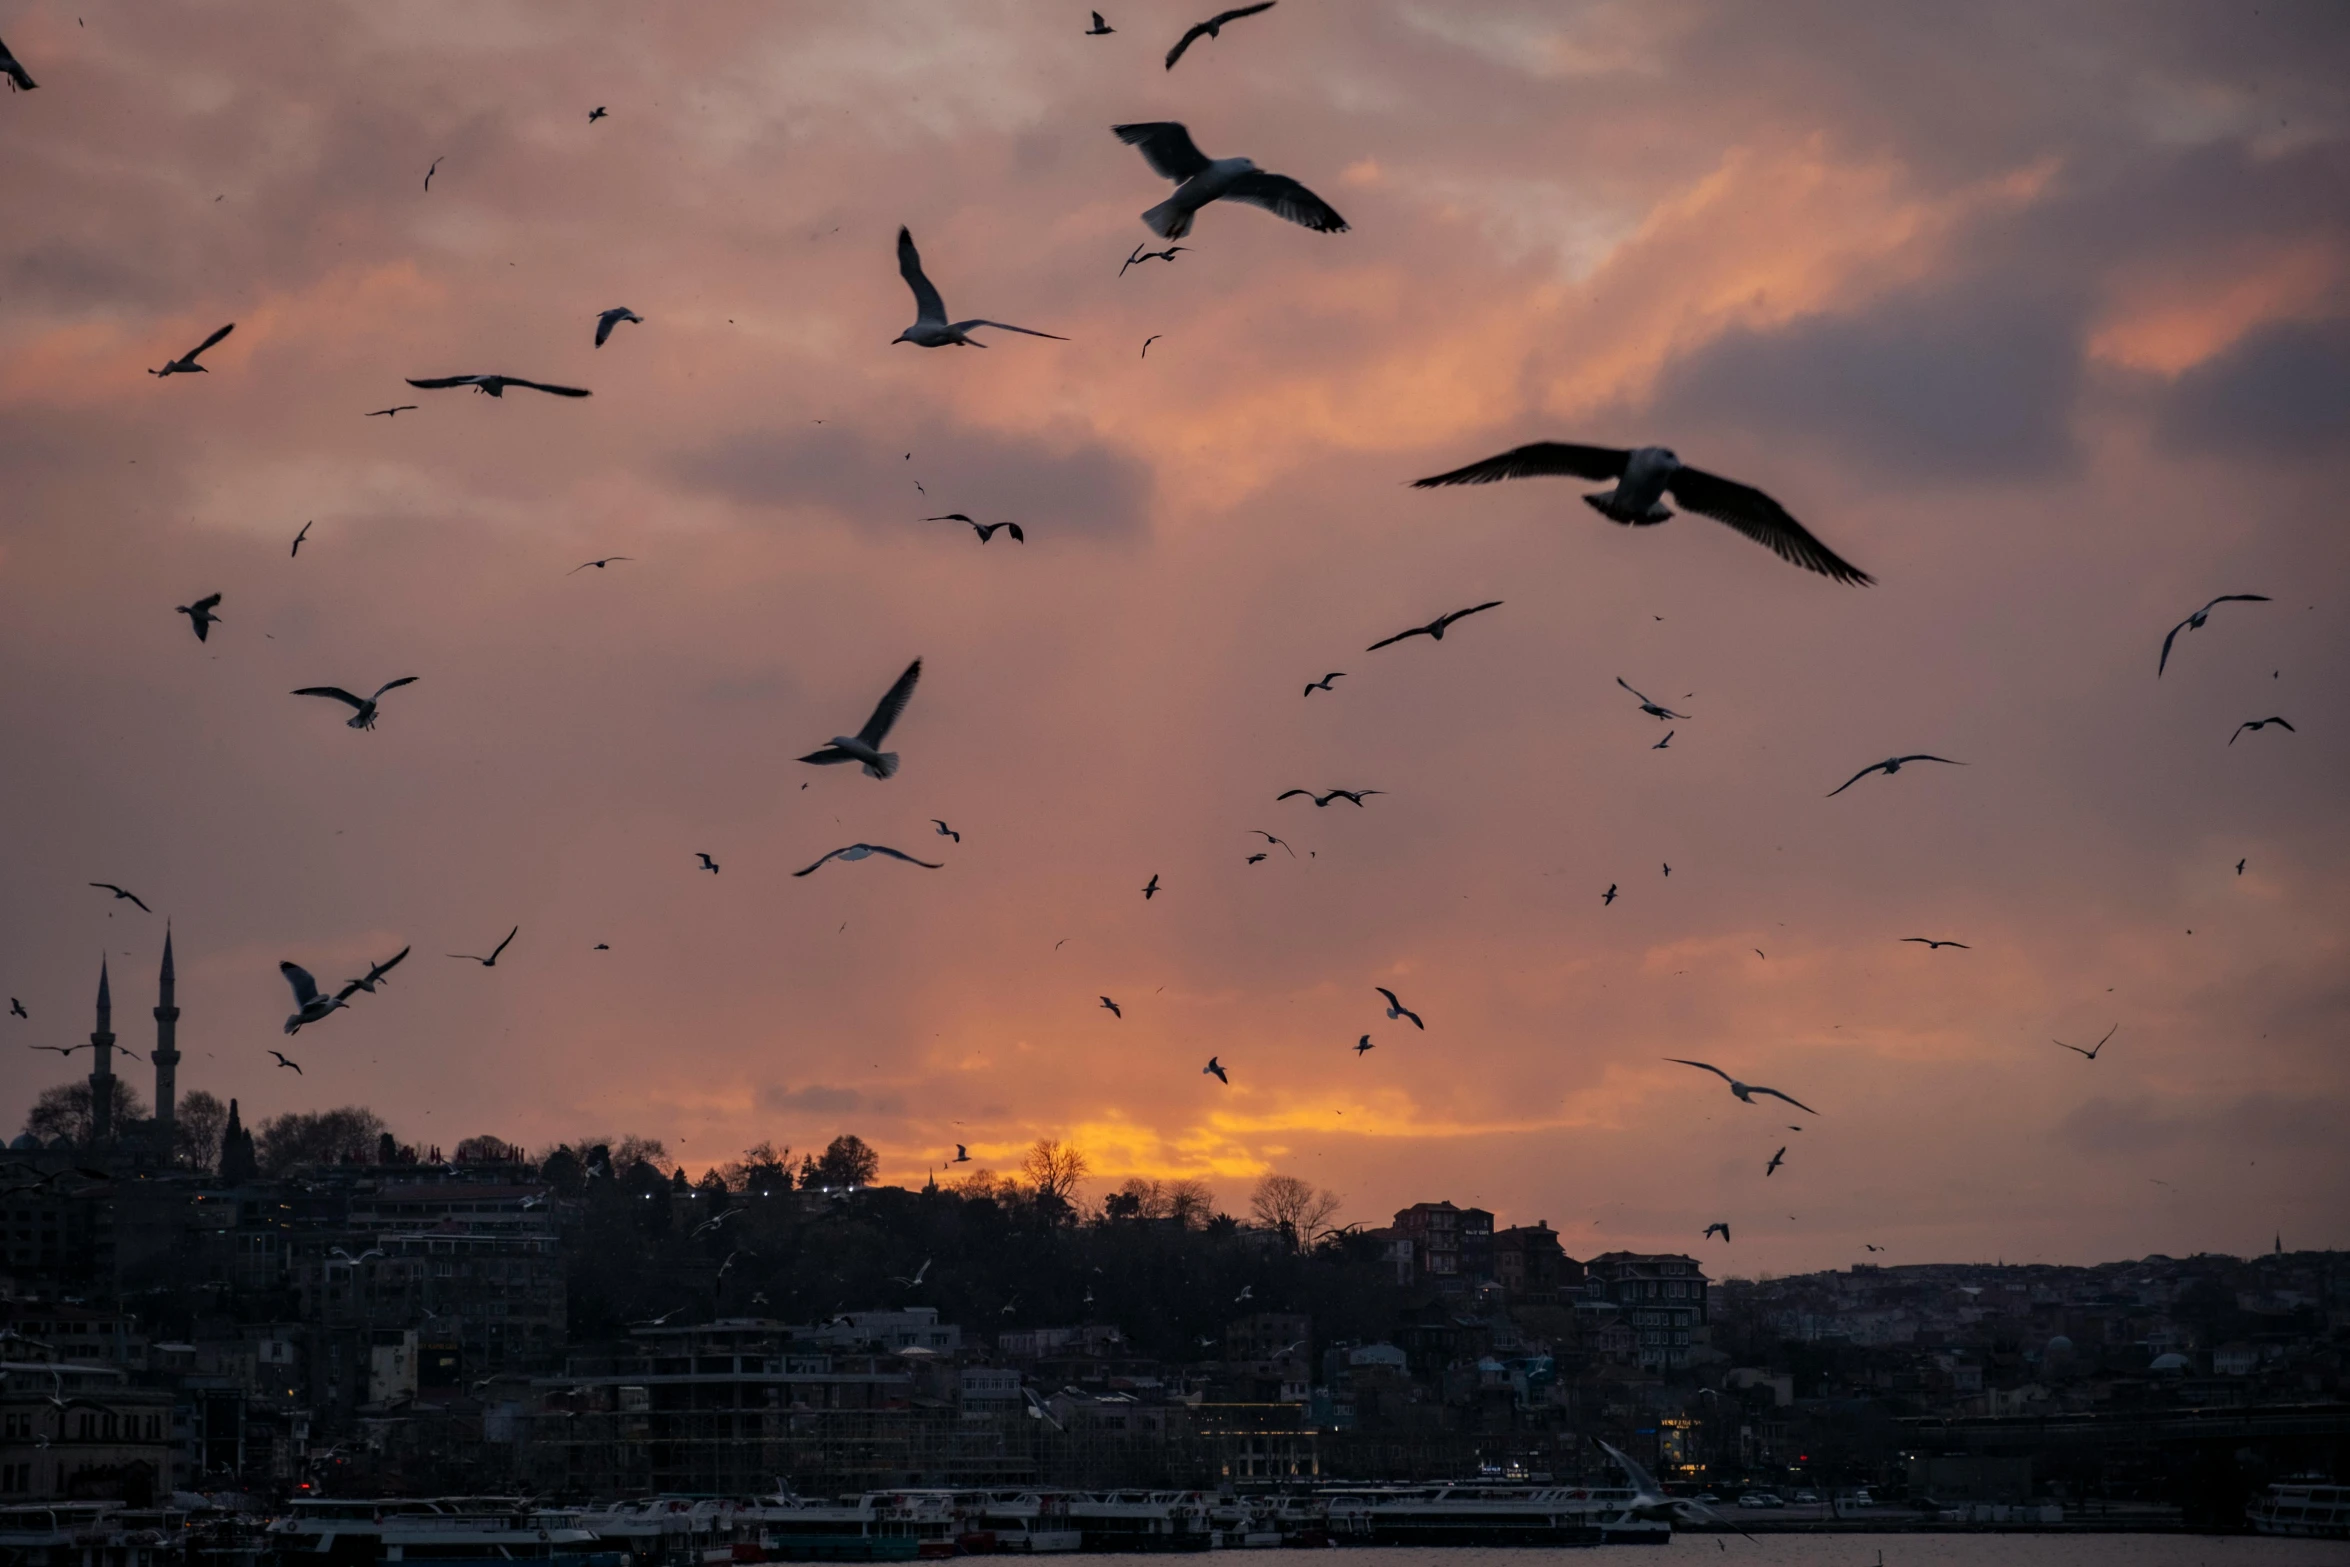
<point>317,1137</point>
<point>847,1162</point>
<point>197,1121</point>
<point>64,1110</point>
<point>1295,1208</point>
<point>1055,1169</point>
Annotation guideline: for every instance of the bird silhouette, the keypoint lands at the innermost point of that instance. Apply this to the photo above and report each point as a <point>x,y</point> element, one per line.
<point>859,851</point>
<point>1362,1045</point>
<point>595,114</point>
<point>1608,896</point>
<point>931,328</point>
<point>2257,724</point>
<point>1354,796</point>
<point>1396,1009</point>
<point>495,385</point>
<point>1436,628</point>
<point>200,616</point>
<point>186,364</point>
<point>1215,1069</point>
<point>944,831</point>
<point>1777,1159</point>
<point>598,564</point>
<point>122,893</point>
<point>1648,707</point>
<point>299,537</point>
<point>375,974</point>
<point>962,1155</point>
<point>2090,1054</point>
<point>985,530</point>
<point>1888,767</point>
<point>20,80</point>
<point>1141,255</point>
<point>1931,945</point>
<point>2195,622</point>
<point>864,747</point>
<point>309,1003</point>
<point>1100,28</point>
<point>1667,740</point>
<point>1744,1091</point>
<point>1115,1010</point>
<point>606,320</point>
<point>1270,840</point>
<point>492,960</point>
<point>1167,147</point>
<point>1213,27</point>
<point>363,708</point>
<point>16,1008</point>
<point>708,863</point>
<point>1323,684</point>
<point>1151,888</point>
<point>1723,1230</point>
<point>391,413</point>
<point>282,1061</point>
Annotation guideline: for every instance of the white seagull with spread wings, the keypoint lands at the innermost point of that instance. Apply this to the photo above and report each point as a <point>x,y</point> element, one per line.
<point>1745,1091</point>
<point>931,328</point>
<point>858,851</point>
<point>363,715</point>
<point>1199,179</point>
<point>865,745</point>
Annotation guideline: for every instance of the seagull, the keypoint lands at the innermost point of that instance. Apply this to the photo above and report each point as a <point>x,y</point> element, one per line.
<point>1167,147</point>
<point>309,1004</point>
<point>1215,1069</point>
<point>1323,684</point>
<point>1608,896</point>
<point>598,564</point>
<point>363,714</point>
<point>20,81</point>
<point>1212,28</point>
<point>1646,706</point>
<point>858,851</point>
<point>375,974</point>
<point>298,538</point>
<point>63,1050</point>
<point>2239,867</point>
<point>2261,723</point>
<point>1645,474</point>
<point>186,364</point>
<point>1141,255</point>
<point>1667,740</point>
<point>1270,839</point>
<point>2091,1053</point>
<point>1255,858</point>
<point>597,113</point>
<point>282,1061</point>
<point>931,328</point>
<point>370,1252</point>
<point>1667,864</point>
<point>1320,800</point>
<point>865,746</point>
<point>1931,945</point>
<point>1146,343</point>
<point>606,320</point>
<point>1435,628</point>
<point>200,615</point>
<point>391,413</point>
<point>492,960</point>
<point>2195,622</point>
<point>1888,767</point>
<point>16,1008</point>
<point>1872,1246</point>
<point>1776,1160</point>
<point>944,831</point>
<point>1396,1008</point>
<point>985,530</point>
<point>428,173</point>
<point>1151,889</point>
<point>708,863</point>
<point>1745,1091</point>
<point>495,385</point>
<point>915,1280</point>
<point>601,946</point>
<point>120,893</point>
<point>962,1155</point>
<point>1100,28</point>
<point>1114,1009</point>
<point>1362,1045</point>
<point>1723,1230</point>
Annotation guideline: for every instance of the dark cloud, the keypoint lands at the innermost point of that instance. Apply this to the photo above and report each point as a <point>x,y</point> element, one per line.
<point>2283,391</point>
<point>824,1099</point>
<point>2143,1124</point>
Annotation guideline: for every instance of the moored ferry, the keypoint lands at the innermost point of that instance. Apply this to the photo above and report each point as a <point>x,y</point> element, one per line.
<point>452,1531</point>
<point>1143,1520</point>
<point>1496,1515</point>
<point>2313,1509</point>
<point>87,1534</point>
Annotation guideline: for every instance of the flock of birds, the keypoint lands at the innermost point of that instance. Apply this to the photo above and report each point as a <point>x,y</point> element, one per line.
<point>1639,480</point>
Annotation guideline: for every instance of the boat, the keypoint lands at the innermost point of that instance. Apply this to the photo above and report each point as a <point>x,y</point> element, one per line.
<point>1023,1523</point>
<point>2304,1505</point>
<point>1496,1515</point>
<point>662,1531</point>
<point>449,1531</point>
<point>1143,1520</point>
<point>88,1534</point>
<point>868,1528</point>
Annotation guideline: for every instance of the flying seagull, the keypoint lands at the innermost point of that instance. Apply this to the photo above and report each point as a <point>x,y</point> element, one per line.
<point>2259,724</point>
<point>2239,867</point>
<point>428,173</point>
<point>200,615</point>
<point>1888,767</point>
<point>309,1004</point>
<point>375,974</point>
<point>63,1050</point>
<point>1323,684</point>
<point>1115,1010</point>
<point>1667,740</point>
<point>2092,1053</point>
<point>915,1279</point>
<point>1100,28</point>
<point>1355,795</point>
<point>1213,27</point>
<point>1215,1068</point>
<point>1396,1008</point>
<point>1257,858</point>
<point>606,320</point>
<point>1435,629</point>
<point>186,364</point>
<point>944,831</point>
<point>1645,474</point>
<point>985,530</point>
<point>1141,255</point>
<point>363,707</point>
<point>931,328</point>
<point>864,746</point>
<point>120,893</point>
<point>1151,889</point>
<point>858,851</point>
<point>708,863</point>
<point>598,564</point>
<point>1608,896</point>
<point>2195,622</point>
<point>962,1155</point>
<point>492,960</point>
<point>19,80</point>
<point>1777,1159</point>
<point>495,385</point>
<point>298,538</point>
<point>1362,1045</point>
<point>1146,343</point>
<point>1745,1091</point>
<point>1270,839</point>
<point>1931,945</point>
<point>391,413</point>
<point>16,1008</point>
<point>1167,147</point>
<point>1648,707</point>
<point>1723,1230</point>
<point>282,1061</point>
<point>597,113</point>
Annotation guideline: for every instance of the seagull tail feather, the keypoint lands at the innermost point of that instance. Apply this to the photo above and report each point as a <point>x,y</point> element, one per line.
<point>1168,221</point>
<point>887,769</point>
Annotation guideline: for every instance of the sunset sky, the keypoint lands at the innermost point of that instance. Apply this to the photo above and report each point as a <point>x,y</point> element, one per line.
<point>2040,315</point>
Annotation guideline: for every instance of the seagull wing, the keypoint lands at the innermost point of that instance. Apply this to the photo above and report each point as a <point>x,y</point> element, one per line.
<point>541,386</point>
<point>394,685</point>
<point>1463,614</point>
<point>206,602</point>
<point>1707,1065</point>
<point>440,382</point>
<point>834,854</point>
<point>2163,662</point>
<point>1286,198</point>
<point>305,988</point>
<point>1775,1094</point>
<point>1233,16</point>
<point>208,342</point>
<point>1416,631</point>
<point>391,963</point>
<point>1628,686</point>
<point>1197,30</point>
<point>337,692</point>
<point>830,756</point>
<point>882,848</point>
<point>1763,520</point>
<point>877,727</point>
<point>1855,778</point>
<point>1165,144</point>
<point>1287,793</point>
<point>927,305</point>
<point>1538,459</point>
<point>965,326</point>
<point>1923,758</point>
<point>500,948</point>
